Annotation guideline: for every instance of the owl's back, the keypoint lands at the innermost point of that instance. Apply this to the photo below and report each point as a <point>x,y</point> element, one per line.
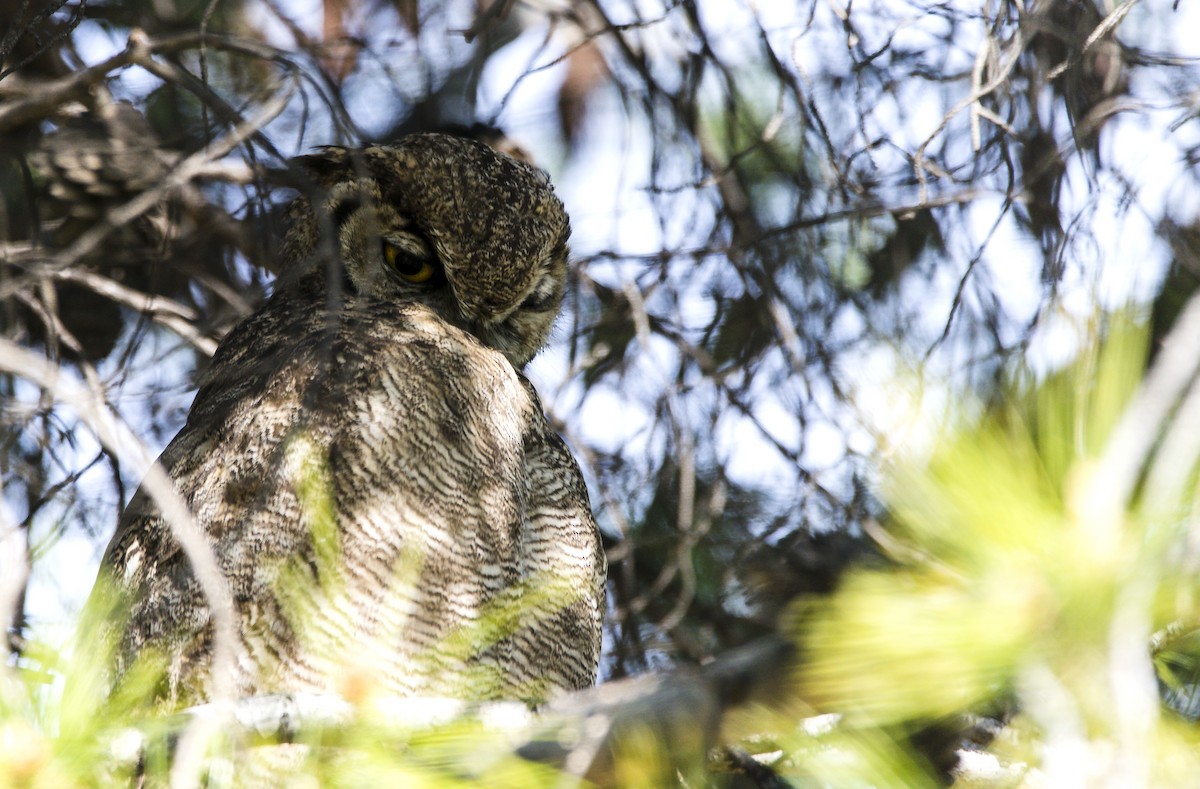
<point>388,504</point>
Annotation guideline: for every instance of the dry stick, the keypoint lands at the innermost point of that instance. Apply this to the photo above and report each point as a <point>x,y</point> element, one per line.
<point>166,312</point>
<point>118,439</point>
<point>48,96</point>
<point>41,100</point>
<point>981,59</point>
<point>789,338</point>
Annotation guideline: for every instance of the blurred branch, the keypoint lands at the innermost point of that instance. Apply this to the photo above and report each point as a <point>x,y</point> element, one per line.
<point>1112,483</point>
<point>861,211</point>
<point>495,12</point>
<point>680,720</point>
<point>14,570</point>
<point>166,312</point>
<point>89,404</point>
<point>44,99</point>
<point>998,80</point>
<point>585,733</point>
<point>26,101</point>
<point>1106,26</point>
<point>201,164</point>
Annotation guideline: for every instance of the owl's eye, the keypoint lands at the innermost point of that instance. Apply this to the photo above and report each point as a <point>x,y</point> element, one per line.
<point>409,266</point>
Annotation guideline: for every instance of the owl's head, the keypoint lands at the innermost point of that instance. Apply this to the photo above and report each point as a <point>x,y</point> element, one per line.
<point>474,234</point>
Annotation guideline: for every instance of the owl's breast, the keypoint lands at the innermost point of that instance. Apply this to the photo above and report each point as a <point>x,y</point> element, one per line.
<point>422,431</point>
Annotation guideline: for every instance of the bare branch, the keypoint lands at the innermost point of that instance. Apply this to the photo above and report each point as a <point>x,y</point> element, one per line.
<point>91,408</point>
<point>166,312</point>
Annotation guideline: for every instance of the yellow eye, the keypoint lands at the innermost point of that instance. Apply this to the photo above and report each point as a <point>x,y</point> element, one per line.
<point>411,268</point>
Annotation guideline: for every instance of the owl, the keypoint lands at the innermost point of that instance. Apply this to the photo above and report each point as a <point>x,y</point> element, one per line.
<point>376,478</point>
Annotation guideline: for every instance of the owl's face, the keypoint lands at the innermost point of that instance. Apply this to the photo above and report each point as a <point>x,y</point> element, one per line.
<point>448,222</point>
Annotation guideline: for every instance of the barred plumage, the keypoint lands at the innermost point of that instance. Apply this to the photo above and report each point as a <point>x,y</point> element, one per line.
<point>377,479</point>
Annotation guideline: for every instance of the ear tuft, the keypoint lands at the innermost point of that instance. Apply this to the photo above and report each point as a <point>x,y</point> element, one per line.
<point>328,166</point>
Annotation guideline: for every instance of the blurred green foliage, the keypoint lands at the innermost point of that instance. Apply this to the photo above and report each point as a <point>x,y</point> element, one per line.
<point>1012,591</point>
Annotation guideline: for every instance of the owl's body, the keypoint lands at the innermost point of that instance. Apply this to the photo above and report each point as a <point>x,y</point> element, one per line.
<point>377,479</point>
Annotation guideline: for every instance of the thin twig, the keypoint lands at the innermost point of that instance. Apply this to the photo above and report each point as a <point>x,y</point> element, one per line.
<point>999,79</point>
